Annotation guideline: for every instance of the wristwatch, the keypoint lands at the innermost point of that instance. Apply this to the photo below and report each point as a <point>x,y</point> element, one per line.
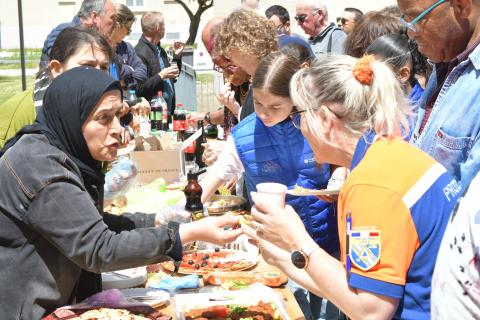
<point>301,258</point>
<point>207,117</point>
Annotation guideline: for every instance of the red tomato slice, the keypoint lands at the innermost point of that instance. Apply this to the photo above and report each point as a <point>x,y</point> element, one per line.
<point>220,311</point>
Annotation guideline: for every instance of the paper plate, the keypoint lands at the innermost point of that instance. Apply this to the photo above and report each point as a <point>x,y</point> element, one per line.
<point>149,296</point>
<point>122,279</point>
<point>308,192</point>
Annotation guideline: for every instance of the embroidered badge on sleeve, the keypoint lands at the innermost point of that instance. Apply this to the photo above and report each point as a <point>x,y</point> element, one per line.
<point>365,248</point>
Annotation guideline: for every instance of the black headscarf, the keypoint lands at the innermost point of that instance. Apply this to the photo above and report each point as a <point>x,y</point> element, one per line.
<point>68,102</point>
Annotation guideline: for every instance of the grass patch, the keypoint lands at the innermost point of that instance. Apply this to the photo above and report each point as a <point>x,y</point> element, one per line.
<point>28,65</point>
<point>30,54</point>
<point>9,86</point>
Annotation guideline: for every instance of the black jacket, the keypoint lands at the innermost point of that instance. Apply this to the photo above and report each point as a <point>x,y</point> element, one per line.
<point>148,53</point>
<point>51,230</point>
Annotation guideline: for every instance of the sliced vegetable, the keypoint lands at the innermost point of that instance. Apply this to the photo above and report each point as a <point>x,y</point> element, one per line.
<point>234,308</point>
<point>220,311</point>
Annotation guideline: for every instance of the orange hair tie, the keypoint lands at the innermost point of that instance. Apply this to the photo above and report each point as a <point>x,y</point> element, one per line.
<point>362,71</point>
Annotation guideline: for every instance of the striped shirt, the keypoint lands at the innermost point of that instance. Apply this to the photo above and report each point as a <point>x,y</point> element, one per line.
<point>399,200</point>
<point>41,84</point>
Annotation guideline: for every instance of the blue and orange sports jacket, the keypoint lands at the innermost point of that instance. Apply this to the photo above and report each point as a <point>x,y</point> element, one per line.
<point>399,200</point>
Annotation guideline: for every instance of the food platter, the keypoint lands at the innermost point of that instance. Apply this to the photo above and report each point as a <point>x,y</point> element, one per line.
<point>207,261</point>
<point>240,280</point>
<point>221,204</point>
<point>108,313</point>
<point>197,305</point>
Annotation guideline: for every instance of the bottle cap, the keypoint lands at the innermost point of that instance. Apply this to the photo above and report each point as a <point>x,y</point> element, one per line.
<point>194,174</point>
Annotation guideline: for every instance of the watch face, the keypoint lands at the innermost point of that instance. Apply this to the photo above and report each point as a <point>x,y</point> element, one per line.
<point>298,259</point>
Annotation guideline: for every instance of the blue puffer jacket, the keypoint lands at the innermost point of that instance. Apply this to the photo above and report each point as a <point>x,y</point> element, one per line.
<point>281,154</point>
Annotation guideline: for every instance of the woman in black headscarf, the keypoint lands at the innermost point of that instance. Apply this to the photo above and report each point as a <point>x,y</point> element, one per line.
<point>51,223</point>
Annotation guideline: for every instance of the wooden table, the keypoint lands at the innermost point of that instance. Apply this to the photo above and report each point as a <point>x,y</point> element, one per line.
<point>293,308</point>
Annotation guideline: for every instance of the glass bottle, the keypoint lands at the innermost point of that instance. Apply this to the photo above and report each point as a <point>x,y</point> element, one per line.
<point>131,98</point>
<point>199,148</point>
<point>154,112</point>
<point>180,122</point>
<point>190,149</point>
<point>193,193</point>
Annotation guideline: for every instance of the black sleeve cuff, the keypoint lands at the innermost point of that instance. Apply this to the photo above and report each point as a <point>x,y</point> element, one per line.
<point>177,251</point>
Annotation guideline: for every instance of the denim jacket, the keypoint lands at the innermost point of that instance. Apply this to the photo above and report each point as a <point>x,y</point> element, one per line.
<point>451,134</point>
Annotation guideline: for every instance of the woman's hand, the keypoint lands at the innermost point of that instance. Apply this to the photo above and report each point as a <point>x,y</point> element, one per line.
<point>194,115</point>
<point>178,47</point>
<point>226,97</point>
<point>280,226</point>
<point>143,106</point>
<point>212,150</point>
<point>231,184</point>
<point>336,181</point>
<point>211,229</point>
<point>272,254</point>
<point>125,109</point>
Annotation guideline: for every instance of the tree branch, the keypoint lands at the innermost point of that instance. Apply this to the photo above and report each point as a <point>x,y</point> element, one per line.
<point>205,4</point>
<point>187,9</point>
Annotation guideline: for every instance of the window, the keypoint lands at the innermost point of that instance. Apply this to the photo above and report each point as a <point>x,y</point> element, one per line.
<point>135,3</point>
<point>172,35</point>
<point>66,3</point>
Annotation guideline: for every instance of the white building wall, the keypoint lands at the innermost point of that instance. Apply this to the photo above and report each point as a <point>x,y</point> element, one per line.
<point>40,16</point>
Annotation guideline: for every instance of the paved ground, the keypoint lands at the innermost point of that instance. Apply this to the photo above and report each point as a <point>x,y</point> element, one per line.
<point>17,72</point>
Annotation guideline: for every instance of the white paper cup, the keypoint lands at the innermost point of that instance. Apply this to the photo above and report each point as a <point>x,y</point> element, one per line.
<point>272,192</point>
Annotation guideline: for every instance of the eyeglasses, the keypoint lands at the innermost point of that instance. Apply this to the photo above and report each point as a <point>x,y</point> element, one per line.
<point>230,68</point>
<point>129,31</point>
<point>301,18</point>
<point>222,64</point>
<point>296,116</point>
<point>343,21</point>
<point>411,25</point>
<point>296,119</point>
<point>280,29</point>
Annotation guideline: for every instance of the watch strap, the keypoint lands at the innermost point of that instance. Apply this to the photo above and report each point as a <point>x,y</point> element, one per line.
<point>306,251</point>
<point>309,248</point>
<point>207,118</point>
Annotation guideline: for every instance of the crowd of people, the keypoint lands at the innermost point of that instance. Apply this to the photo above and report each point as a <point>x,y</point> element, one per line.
<point>382,103</point>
